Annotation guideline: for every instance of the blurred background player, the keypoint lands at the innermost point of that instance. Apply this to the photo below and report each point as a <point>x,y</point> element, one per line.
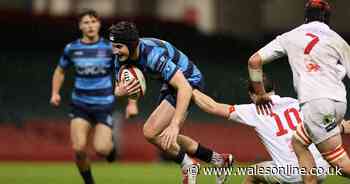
<point>275,131</point>
<point>313,51</point>
<point>180,77</point>
<point>92,97</point>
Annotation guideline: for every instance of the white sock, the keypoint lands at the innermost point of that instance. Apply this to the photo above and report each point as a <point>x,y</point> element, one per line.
<point>186,161</point>
<point>217,159</point>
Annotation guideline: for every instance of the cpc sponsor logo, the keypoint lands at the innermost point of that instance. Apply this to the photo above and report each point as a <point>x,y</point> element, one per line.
<point>91,70</point>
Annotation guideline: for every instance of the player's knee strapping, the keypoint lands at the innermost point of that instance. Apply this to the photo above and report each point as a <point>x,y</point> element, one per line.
<point>302,135</point>
<point>334,155</point>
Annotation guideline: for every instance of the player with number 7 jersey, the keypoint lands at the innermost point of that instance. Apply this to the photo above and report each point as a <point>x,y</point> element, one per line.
<point>314,53</point>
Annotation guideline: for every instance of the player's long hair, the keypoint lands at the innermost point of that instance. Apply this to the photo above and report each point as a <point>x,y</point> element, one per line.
<point>89,12</point>
<point>317,10</point>
<point>268,85</point>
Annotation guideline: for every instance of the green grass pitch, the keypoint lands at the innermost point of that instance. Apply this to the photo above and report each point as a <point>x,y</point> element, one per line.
<point>121,173</point>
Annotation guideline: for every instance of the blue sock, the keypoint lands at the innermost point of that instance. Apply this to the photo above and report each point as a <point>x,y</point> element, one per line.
<point>87,176</point>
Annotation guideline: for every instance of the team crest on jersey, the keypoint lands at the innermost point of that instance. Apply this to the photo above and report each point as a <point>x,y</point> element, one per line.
<point>162,59</point>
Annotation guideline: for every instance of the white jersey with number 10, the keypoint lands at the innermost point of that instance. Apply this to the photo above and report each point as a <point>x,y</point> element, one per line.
<point>276,130</point>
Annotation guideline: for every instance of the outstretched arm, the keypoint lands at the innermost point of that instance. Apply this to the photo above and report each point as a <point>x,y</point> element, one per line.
<point>209,105</point>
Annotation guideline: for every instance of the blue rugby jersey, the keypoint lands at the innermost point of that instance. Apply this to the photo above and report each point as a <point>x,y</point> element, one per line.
<point>161,59</point>
<point>93,65</point>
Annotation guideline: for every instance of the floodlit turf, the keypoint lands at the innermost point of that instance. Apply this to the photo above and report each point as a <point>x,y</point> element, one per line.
<point>116,173</point>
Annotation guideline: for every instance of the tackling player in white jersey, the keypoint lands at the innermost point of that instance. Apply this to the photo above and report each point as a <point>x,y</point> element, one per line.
<point>275,130</point>
<point>314,52</point>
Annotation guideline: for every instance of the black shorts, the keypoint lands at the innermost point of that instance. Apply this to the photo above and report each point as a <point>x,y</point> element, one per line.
<point>167,92</point>
<point>92,116</point>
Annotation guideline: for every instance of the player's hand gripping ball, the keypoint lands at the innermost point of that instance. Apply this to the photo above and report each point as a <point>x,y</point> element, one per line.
<point>130,72</point>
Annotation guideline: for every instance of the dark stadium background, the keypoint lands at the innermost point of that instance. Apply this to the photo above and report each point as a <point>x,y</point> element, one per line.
<point>32,40</point>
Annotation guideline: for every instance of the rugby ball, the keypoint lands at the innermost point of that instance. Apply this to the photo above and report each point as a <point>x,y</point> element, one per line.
<point>128,73</point>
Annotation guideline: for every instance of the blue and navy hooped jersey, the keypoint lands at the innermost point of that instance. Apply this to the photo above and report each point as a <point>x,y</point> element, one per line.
<point>160,58</point>
<point>93,65</point>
